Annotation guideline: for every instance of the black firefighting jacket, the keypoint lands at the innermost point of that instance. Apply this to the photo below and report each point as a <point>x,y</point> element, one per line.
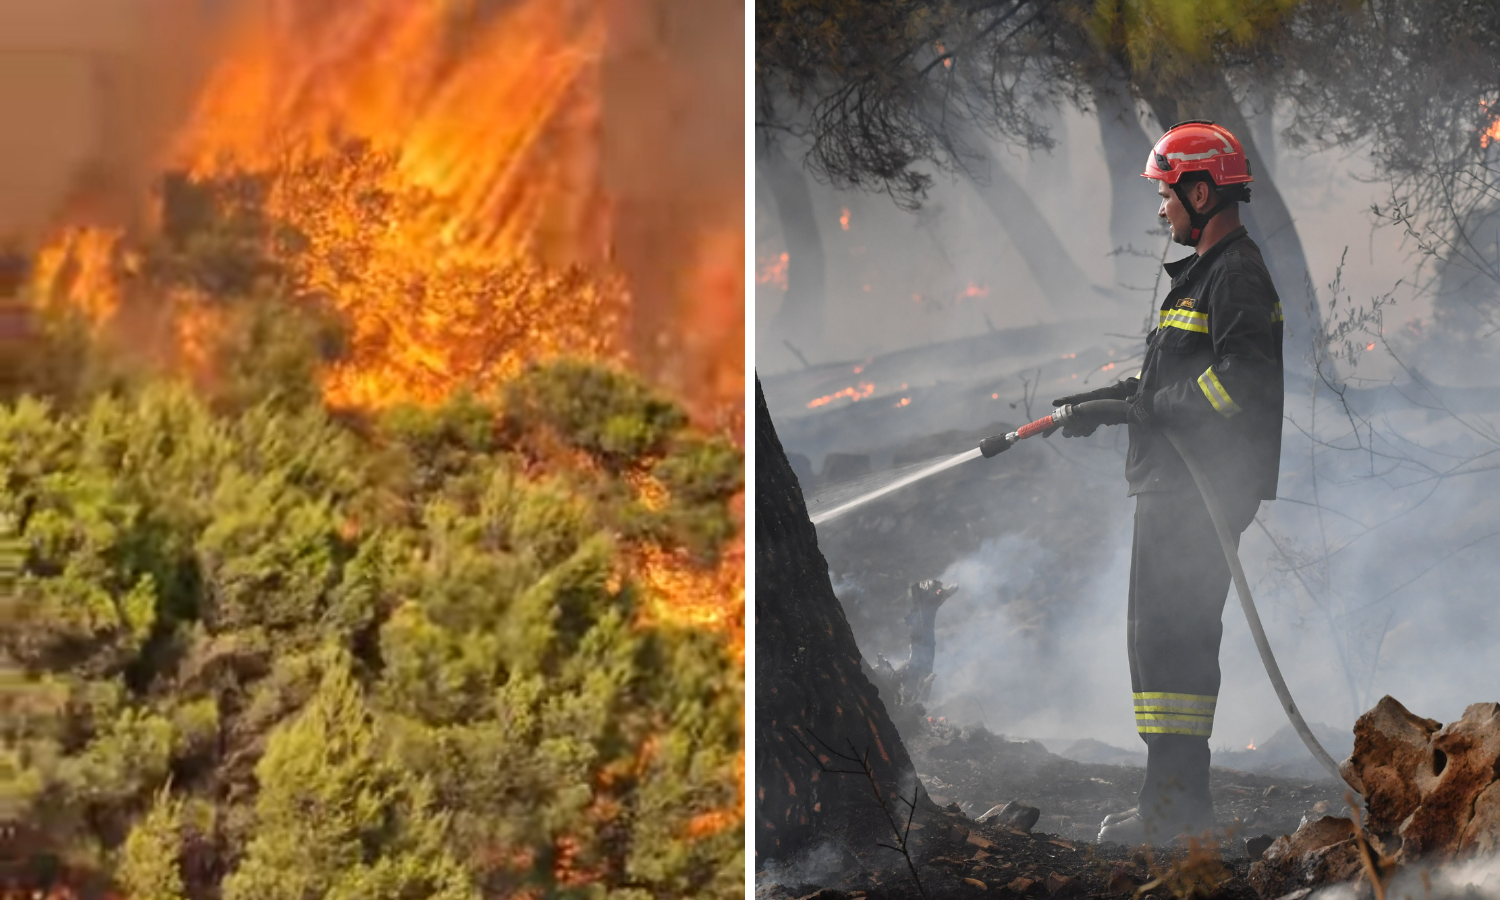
<point>1214,365</point>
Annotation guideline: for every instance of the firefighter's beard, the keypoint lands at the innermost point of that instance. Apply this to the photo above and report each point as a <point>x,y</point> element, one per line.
<point>1181,234</point>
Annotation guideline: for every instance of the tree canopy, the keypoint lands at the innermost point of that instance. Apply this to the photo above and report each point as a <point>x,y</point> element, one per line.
<point>257,648</point>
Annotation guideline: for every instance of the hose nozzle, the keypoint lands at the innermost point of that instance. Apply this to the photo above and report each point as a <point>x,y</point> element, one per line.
<point>996,444</point>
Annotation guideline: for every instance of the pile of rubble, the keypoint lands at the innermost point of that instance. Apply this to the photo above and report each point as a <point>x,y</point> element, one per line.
<point>1431,796</point>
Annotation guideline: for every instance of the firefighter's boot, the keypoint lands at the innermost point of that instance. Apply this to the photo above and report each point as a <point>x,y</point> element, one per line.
<point>1175,798</point>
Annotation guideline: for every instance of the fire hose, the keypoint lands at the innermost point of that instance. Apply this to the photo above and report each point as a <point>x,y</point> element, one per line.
<point>993,445</point>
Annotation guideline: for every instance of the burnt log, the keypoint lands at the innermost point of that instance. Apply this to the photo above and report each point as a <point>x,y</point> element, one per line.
<point>813,700</point>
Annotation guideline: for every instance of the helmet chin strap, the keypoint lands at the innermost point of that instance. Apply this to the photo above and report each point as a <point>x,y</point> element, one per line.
<point>1197,220</point>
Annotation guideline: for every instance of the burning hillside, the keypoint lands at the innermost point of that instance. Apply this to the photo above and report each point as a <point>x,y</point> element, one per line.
<point>432,174</point>
<point>389,223</point>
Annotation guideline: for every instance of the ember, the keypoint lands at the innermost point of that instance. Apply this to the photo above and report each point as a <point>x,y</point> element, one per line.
<point>1492,132</point>
<point>773,272</point>
<point>855,394</point>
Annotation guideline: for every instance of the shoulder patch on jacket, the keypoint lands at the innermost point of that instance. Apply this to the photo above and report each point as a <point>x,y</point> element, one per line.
<point>1186,303</point>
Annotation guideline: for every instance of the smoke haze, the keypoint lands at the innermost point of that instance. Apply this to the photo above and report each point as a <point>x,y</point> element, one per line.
<point>90,91</point>
<point>1385,592</point>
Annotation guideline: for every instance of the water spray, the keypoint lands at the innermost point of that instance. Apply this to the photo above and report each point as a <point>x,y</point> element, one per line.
<point>1115,411</point>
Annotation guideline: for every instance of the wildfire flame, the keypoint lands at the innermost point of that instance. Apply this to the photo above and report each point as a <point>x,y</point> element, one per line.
<point>855,394</point>
<point>773,271</point>
<point>1250,746</point>
<point>844,218</point>
<point>1491,133</point>
<point>443,164</point>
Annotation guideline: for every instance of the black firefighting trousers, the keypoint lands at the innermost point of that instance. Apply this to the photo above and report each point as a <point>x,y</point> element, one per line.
<point>1179,582</point>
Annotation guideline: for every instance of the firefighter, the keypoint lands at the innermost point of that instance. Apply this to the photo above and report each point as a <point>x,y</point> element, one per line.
<point>1213,374</point>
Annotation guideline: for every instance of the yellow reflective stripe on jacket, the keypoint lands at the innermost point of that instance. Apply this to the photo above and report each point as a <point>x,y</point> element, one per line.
<point>1165,713</point>
<point>1276,316</point>
<point>1185,319</point>
<point>1213,389</point>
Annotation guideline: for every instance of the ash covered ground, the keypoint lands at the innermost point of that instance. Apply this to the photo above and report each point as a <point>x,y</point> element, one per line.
<point>968,771</point>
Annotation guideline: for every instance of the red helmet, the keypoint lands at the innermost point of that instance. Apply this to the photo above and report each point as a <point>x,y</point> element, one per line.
<point>1198,146</point>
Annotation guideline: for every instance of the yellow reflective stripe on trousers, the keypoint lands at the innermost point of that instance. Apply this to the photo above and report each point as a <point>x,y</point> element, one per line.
<point>1191,725</point>
<point>1196,704</point>
<point>1166,713</point>
<point>1184,319</point>
<point>1213,389</point>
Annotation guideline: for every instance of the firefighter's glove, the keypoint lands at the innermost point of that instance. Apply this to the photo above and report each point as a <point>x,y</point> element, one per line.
<point>1120,390</point>
<point>1143,410</point>
<point>994,445</point>
<point>1090,414</point>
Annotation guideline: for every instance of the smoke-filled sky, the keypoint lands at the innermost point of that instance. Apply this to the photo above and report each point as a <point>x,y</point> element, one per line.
<point>1416,588</point>
<point>89,92</point>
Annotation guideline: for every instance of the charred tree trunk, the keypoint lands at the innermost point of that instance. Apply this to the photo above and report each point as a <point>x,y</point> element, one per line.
<point>810,687</point>
<point>802,311</point>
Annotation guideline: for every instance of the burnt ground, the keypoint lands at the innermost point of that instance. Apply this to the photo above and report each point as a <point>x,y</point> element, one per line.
<point>968,771</point>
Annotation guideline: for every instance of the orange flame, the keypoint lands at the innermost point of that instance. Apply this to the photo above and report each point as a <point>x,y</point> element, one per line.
<point>1491,133</point>
<point>855,394</point>
<point>844,218</point>
<point>1251,746</point>
<point>773,272</point>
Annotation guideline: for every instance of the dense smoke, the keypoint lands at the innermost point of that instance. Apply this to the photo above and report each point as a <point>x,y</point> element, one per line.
<point>90,92</point>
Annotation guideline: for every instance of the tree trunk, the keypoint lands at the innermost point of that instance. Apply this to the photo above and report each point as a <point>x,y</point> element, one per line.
<point>802,311</point>
<point>1131,209</point>
<point>1267,217</point>
<point>1069,291</point>
<point>810,686</point>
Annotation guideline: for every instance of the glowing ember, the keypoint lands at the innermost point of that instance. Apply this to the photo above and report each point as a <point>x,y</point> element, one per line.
<point>855,394</point>
<point>905,401</point>
<point>1250,746</point>
<point>1493,131</point>
<point>773,272</point>
<point>975,290</point>
<point>844,218</point>
<point>1106,367</point>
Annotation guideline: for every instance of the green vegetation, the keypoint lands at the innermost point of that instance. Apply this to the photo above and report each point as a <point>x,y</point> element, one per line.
<point>254,649</point>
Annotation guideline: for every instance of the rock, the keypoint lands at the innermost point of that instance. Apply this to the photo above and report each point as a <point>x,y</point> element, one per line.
<point>1321,852</point>
<point>1432,794</point>
<point>1014,814</point>
<point>1458,768</point>
<point>1389,744</point>
<point>1256,847</point>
